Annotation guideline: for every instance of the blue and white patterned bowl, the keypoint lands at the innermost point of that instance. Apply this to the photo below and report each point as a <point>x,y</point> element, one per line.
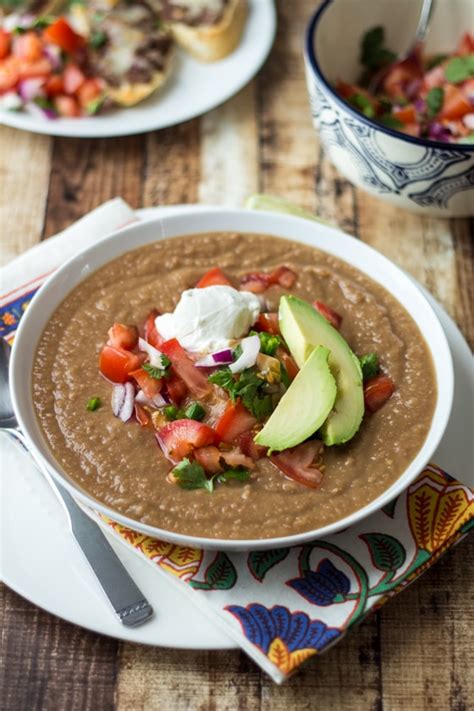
<point>417,174</point>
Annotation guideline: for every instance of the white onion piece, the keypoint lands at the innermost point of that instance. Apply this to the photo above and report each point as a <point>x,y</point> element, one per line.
<point>10,101</point>
<point>118,397</point>
<point>263,303</point>
<point>126,411</point>
<point>154,354</point>
<point>250,350</point>
<point>53,53</point>
<point>156,401</point>
<point>123,400</point>
<point>468,121</point>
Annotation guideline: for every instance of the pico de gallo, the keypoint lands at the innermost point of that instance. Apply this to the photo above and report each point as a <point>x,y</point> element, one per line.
<point>44,70</point>
<point>205,409</point>
<point>423,96</point>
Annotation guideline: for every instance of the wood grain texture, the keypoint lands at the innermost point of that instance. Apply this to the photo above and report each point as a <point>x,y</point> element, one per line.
<point>24,176</point>
<point>415,654</point>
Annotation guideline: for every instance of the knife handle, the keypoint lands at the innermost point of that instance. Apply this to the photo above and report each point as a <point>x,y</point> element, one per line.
<point>130,605</point>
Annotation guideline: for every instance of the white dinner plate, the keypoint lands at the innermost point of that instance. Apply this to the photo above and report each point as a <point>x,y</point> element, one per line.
<point>40,561</point>
<point>192,89</point>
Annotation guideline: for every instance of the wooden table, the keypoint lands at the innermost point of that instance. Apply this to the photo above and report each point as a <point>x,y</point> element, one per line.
<point>417,653</point>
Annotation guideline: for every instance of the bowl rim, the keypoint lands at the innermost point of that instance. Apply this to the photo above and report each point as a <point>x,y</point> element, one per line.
<point>193,225</point>
<point>312,60</point>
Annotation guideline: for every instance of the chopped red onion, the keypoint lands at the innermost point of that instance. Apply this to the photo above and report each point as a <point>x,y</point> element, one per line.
<point>250,350</point>
<point>123,400</point>
<point>420,105</point>
<point>15,21</point>
<point>438,132</point>
<point>39,112</point>
<point>53,54</point>
<point>219,358</point>
<point>30,89</point>
<point>154,354</point>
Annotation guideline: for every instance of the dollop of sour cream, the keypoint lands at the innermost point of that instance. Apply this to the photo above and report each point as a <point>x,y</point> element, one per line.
<point>207,320</point>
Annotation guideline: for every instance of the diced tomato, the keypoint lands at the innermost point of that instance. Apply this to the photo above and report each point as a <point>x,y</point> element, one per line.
<point>257,282</point>
<point>456,104</point>
<point>177,390</point>
<point>268,322</point>
<point>377,391</point>
<point>405,114</point>
<point>32,70</point>
<point>117,364</point>
<point>214,277</point>
<point>9,77</point>
<point>151,333</point>
<point>122,336</point>
<point>329,314</point>
<point>73,78</point>
<point>434,78</point>
<point>209,458</point>
<point>54,85</point>
<point>399,77</point>
<point>91,89</point>
<point>61,33</point>
<point>466,45</point>
<point>178,439</point>
<point>346,90</point>
<point>235,420</point>
<point>297,463</point>
<point>5,42</point>
<point>142,416</point>
<point>289,363</point>
<point>250,448</point>
<point>150,386</point>
<point>27,47</point>
<point>411,129</point>
<point>284,276</point>
<point>183,366</point>
<point>66,106</point>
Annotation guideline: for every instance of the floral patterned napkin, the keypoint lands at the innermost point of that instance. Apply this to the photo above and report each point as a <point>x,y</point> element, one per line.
<point>284,605</point>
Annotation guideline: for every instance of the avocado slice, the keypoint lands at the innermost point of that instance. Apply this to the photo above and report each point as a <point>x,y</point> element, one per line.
<point>304,407</point>
<point>303,328</point>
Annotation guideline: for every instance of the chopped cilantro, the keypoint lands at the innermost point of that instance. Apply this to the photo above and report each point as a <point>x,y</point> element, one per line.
<point>434,101</point>
<point>97,39</point>
<point>362,103</point>
<point>285,378</point>
<point>458,69</point>
<point>94,106</point>
<point>194,411</point>
<point>156,372</point>
<point>248,387</point>
<point>268,342</point>
<point>191,475</point>
<point>172,412</point>
<point>93,404</point>
<point>240,474</point>
<point>237,352</point>
<point>390,121</point>
<point>369,364</point>
<point>436,60</point>
<point>373,53</point>
<point>467,139</point>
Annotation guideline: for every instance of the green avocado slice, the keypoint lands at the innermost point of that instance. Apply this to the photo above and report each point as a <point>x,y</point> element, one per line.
<point>304,407</point>
<point>303,328</point>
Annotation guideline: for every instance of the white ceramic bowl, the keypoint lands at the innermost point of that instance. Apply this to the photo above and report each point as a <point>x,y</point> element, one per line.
<point>417,174</point>
<point>219,219</point>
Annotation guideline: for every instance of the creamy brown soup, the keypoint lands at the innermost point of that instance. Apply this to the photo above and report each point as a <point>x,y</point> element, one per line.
<point>122,466</point>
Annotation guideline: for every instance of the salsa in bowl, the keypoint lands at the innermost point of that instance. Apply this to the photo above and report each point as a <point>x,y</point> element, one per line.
<point>210,380</point>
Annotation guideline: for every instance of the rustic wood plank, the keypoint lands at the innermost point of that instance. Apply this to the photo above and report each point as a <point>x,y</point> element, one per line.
<point>85,173</point>
<point>427,651</point>
<point>24,175</point>
<point>229,151</point>
<point>287,136</point>
<point>463,236</point>
<point>172,168</point>
<point>49,664</point>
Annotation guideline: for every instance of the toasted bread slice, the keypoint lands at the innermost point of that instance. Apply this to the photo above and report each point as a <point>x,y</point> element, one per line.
<point>136,56</point>
<point>208,29</point>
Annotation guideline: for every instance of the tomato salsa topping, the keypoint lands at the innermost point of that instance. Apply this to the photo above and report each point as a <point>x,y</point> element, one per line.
<point>423,96</point>
<point>209,409</point>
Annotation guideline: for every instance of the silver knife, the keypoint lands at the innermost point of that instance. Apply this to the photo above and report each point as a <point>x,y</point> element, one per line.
<point>130,605</point>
